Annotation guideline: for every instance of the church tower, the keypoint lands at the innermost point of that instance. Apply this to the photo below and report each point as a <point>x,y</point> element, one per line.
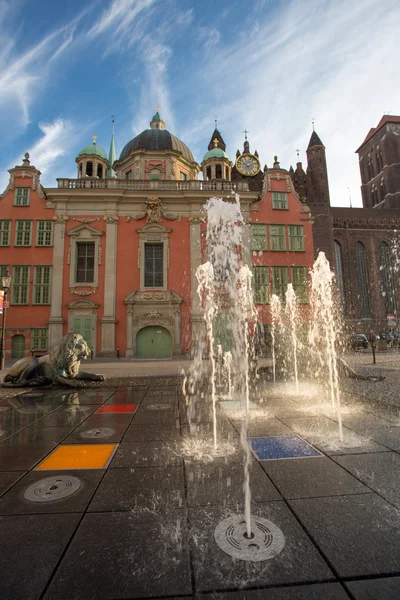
<point>318,198</point>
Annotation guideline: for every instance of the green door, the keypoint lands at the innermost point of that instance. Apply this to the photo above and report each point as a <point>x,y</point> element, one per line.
<point>18,346</point>
<point>154,342</point>
<point>83,325</point>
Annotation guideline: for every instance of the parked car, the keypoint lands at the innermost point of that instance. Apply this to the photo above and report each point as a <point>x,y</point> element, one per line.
<point>385,336</point>
<point>359,340</point>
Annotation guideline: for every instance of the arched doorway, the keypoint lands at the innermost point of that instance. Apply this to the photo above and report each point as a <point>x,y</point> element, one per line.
<point>153,342</point>
<point>18,346</point>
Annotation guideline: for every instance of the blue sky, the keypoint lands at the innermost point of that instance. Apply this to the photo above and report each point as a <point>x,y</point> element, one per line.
<point>267,66</point>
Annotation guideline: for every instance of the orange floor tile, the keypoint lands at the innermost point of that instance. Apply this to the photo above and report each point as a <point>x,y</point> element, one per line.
<point>78,456</point>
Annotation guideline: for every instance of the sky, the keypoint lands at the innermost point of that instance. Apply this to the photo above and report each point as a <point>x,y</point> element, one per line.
<point>271,67</point>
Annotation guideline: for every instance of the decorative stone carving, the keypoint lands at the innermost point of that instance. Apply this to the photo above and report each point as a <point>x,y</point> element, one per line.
<point>279,176</point>
<point>100,255</point>
<point>154,211</point>
<point>136,169</point>
<point>69,255</point>
<point>153,314</point>
<point>83,292</point>
<point>110,219</point>
<point>196,219</point>
<point>149,165</point>
<point>173,164</point>
<point>60,218</point>
<point>85,220</point>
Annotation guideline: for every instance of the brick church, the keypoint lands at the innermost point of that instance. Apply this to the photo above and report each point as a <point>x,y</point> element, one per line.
<point>361,243</point>
<point>112,254</point>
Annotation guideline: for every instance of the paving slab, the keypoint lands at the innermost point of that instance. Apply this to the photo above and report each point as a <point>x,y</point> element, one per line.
<point>36,434</point>
<point>68,415</point>
<point>158,416</point>
<point>317,591</point>
<point>103,427</point>
<point>7,479</point>
<point>95,396</point>
<point>147,454</point>
<point>14,502</point>
<point>152,433</point>
<point>218,483</point>
<point>311,477</point>
<point>139,488</point>
<point>298,562</point>
<point>359,534</point>
<point>23,458</point>
<point>381,472</point>
<point>385,588</point>
<point>30,548</point>
<point>264,427</point>
<point>125,555</point>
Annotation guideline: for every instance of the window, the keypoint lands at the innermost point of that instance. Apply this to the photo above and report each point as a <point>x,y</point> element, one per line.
<point>3,270</point>
<point>20,285</point>
<point>41,285</point>
<point>153,265</point>
<point>44,233</point>
<point>379,160</point>
<point>5,229</point>
<point>383,188</point>
<point>218,172</point>
<point>85,262</point>
<point>374,195</point>
<point>387,280</point>
<point>339,269</point>
<point>23,233</point>
<point>279,281</point>
<point>39,339</point>
<point>362,278</point>
<point>277,237</point>
<point>260,285</point>
<point>298,276</point>
<point>21,196</point>
<point>208,173</point>
<point>183,176</point>
<point>89,169</point>
<point>154,177</point>
<point>223,333</point>
<point>280,200</point>
<point>128,174</point>
<point>259,237</point>
<point>296,238</point>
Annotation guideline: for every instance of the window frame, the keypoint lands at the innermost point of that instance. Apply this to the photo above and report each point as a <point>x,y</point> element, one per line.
<point>41,287</point>
<point>153,233</point>
<point>279,198</point>
<point>44,232</point>
<point>258,241</point>
<point>261,287</point>
<point>87,257</point>
<point>23,232</point>
<point>84,234</point>
<point>273,237</point>
<point>283,270</point>
<point>4,231</point>
<point>15,285</point>
<point>16,195</point>
<point>41,338</point>
<point>298,238</point>
<point>300,289</point>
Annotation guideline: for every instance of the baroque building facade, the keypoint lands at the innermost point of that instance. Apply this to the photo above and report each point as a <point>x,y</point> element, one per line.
<point>113,253</point>
<point>362,244</point>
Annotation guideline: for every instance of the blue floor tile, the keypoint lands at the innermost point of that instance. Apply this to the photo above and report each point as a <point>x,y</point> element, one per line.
<point>291,446</point>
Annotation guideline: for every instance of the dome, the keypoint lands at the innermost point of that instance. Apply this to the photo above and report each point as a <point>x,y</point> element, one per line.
<point>156,139</point>
<point>94,149</point>
<point>215,153</point>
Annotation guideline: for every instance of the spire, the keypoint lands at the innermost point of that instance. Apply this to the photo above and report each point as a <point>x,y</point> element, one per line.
<point>314,140</point>
<point>111,155</point>
<point>220,142</point>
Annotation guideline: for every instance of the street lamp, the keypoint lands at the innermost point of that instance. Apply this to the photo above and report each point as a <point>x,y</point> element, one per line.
<point>5,284</point>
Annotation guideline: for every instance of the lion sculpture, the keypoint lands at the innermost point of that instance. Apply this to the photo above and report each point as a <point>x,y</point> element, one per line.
<point>60,367</point>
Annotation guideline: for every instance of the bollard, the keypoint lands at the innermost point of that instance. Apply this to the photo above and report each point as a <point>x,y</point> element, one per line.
<point>91,352</point>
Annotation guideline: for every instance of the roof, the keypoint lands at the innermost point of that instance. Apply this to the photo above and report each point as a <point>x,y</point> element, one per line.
<point>215,153</point>
<point>314,140</point>
<point>217,135</point>
<point>156,139</point>
<point>385,119</point>
<point>94,149</point>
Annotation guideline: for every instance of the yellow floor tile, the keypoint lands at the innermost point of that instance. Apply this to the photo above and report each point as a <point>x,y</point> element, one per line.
<point>78,456</point>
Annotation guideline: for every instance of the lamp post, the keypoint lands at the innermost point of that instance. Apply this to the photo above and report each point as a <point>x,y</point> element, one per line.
<point>5,284</point>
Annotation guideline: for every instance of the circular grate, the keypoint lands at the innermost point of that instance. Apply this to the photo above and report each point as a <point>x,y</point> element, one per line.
<point>97,433</point>
<point>265,542</point>
<point>158,407</point>
<point>52,488</point>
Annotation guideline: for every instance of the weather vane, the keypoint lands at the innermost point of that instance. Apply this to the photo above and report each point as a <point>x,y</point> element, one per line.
<point>245,133</point>
<point>298,153</point>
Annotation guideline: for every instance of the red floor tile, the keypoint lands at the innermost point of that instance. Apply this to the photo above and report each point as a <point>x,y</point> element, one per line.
<point>117,408</point>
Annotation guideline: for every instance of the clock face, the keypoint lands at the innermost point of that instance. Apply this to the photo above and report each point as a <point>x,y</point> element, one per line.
<point>247,164</point>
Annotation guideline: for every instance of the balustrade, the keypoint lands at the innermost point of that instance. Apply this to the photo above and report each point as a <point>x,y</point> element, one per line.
<point>148,185</point>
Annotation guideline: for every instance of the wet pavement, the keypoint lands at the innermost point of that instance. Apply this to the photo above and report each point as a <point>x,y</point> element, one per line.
<point>106,493</point>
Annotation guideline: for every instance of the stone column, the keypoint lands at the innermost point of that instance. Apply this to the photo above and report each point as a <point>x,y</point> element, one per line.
<point>110,288</point>
<point>212,171</point>
<point>129,331</point>
<point>56,320</point>
<point>195,261</point>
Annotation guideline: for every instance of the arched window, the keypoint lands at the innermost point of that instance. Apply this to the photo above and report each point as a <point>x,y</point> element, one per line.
<point>339,270</point>
<point>374,195</point>
<point>386,274</point>
<point>218,172</point>
<point>362,278</point>
<point>208,173</point>
<point>99,171</point>
<point>89,169</point>
<point>383,188</point>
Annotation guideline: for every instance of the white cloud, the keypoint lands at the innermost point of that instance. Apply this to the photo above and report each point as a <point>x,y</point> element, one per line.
<point>211,37</point>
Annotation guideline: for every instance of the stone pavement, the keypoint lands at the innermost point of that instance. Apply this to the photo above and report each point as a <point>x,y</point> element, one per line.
<point>105,493</point>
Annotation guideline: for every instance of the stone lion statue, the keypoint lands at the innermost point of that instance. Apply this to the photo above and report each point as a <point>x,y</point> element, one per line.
<point>60,367</point>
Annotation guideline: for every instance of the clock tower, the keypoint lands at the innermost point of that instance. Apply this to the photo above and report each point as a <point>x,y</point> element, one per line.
<point>247,167</point>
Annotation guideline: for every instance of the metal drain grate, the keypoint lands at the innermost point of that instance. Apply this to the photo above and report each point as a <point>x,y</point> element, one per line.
<point>100,432</point>
<point>266,540</point>
<point>158,407</point>
<point>52,488</point>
